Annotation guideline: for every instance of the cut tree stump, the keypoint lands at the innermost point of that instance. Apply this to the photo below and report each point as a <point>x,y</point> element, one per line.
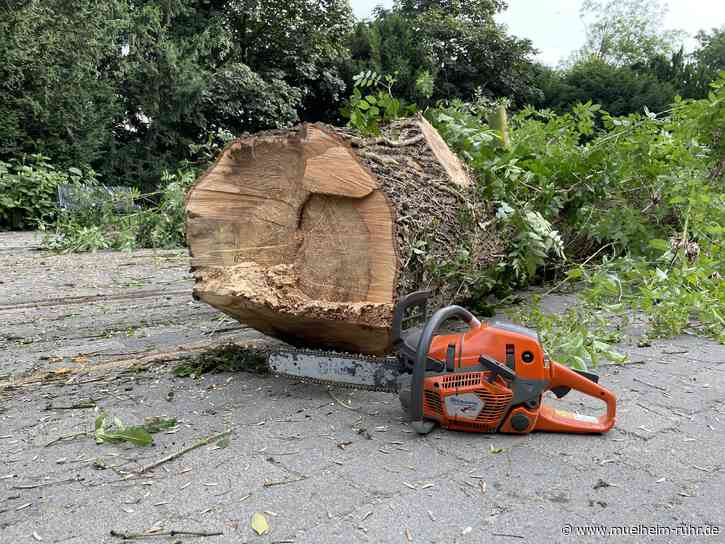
<point>311,234</point>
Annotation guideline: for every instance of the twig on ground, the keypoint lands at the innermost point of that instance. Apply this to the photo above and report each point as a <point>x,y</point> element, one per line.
<point>341,403</point>
<point>45,484</point>
<point>66,437</point>
<point>203,442</point>
<point>77,406</point>
<point>284,482</point>
<point>133,536</point>
<point>661,388</point>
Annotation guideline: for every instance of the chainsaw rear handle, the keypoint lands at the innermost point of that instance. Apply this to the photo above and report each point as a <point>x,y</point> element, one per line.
<point>562,421</point>
<point>421,360</point>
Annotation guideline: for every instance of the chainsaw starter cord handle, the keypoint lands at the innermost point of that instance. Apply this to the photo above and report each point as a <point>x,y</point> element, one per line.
<point>421,359</point>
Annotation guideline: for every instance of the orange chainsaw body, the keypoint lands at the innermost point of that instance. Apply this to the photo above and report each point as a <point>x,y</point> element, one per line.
<point>482,400</point>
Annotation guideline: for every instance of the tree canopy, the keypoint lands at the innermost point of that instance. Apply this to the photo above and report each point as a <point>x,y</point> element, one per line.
<point>125,87</point>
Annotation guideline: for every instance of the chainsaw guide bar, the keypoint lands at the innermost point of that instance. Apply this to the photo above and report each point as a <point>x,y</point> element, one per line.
<point>337,369</point>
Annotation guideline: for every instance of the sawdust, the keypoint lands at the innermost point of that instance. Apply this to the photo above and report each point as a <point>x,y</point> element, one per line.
<point>277,288</point>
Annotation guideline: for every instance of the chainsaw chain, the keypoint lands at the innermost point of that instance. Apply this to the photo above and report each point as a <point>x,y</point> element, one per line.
<point>388,361</point>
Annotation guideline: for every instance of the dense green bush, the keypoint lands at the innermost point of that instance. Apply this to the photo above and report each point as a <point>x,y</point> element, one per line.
<point>28,190</point>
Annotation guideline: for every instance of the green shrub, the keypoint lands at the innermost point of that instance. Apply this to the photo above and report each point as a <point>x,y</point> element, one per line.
<point>372,103</point>
<point>28,190</point>
<point>98,224</point>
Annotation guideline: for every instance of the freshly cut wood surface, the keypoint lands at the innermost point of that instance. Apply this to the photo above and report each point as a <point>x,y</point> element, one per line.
<point>311,234</point>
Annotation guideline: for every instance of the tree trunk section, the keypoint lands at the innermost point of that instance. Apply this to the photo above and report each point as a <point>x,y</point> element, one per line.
<point>311,234</point>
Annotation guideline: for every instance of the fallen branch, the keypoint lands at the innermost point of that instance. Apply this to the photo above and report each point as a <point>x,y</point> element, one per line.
<point>203,442</point>
<point>133,536</point>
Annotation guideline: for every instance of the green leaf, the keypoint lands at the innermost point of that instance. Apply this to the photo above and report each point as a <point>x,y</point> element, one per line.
<point>100,420</point>
<point>136,435</point>
<point>659,244</point>
<point>259,523</point>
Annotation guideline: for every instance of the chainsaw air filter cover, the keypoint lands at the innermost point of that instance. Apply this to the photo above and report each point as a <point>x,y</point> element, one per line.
<point>466,401</point>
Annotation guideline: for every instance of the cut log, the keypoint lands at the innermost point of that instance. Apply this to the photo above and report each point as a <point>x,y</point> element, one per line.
<point>311,234</point>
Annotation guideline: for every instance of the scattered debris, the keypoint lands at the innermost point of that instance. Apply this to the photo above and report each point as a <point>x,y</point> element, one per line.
<point>226,358</point>
<point>601,483</point>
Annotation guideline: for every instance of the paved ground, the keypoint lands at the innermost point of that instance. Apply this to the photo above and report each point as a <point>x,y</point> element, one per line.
<point>106,329</point>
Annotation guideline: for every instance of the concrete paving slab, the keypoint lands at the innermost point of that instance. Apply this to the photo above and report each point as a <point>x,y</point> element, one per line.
<point>109,328</point>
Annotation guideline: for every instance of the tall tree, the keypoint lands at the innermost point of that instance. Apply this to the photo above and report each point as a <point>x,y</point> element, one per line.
<point>624,32</point>
<point>458,43</point>
<point>58,63</point>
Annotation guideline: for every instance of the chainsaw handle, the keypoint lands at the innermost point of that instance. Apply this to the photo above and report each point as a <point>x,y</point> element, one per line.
<point>560,421</point>
<point>421,357</point>
<point>413,300</point>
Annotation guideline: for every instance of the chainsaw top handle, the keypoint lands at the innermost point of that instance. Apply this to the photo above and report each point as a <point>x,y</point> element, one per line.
<point>420,425</point>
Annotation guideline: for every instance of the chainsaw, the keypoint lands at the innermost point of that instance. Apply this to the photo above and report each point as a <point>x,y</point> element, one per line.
<point>488,378</point>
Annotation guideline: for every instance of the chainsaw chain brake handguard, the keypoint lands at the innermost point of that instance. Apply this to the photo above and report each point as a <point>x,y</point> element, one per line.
<point>528,373</point>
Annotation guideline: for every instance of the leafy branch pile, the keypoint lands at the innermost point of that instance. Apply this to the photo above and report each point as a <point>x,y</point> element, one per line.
<point>643,193</point>
<point>119,222</point>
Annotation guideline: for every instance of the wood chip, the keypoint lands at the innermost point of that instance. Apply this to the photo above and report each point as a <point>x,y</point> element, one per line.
<point>408,535</point>
<point>37,537</point>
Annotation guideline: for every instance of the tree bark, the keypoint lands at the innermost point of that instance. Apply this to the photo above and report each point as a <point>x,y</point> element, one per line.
<point>311,234</point>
